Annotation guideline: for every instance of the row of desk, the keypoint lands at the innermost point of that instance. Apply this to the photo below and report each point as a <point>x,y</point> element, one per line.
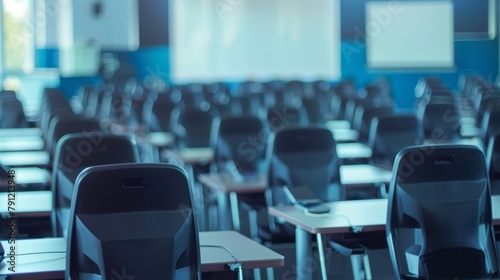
<point>344,217</point>
<point>368,214</point>
<point>46,258</point>
<point>227,187</point>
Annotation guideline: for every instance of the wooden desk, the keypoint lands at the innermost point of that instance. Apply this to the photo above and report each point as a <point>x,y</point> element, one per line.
<point>22,143</point>
<point>26,177</point>
<point>31,158</point>
<point>52,263</point>
<point>344,216</point>
<point>228,187</point>
<point>18,132</point>
<point>28,204</point>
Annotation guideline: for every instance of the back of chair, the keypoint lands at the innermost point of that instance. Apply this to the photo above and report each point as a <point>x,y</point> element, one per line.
<point>441,122</point>
<point>305,157</point>
<point>316,109</point>
<point>363,118</point>
<point>282,116</point>
<point>74,153</point>
<point>67,124</point>
<point>491,124</point>
<point>123,211</point>
<point>160,111</point>
<point>193,127</point>
<point>391,134</point>
<point>239,140</point>
<point>493,162</point>
<point>439,219</point>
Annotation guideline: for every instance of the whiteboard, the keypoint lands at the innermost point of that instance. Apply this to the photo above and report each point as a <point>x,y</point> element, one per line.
<point>115,26</point>
<point>409,34</point>
<point>212,40</point>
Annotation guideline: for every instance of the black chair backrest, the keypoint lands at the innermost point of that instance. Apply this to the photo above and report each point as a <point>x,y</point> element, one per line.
<point>391,134</point>
<point>77,151</point>
<point>6,95</point>
<point>281,116</point>
<point>441,122</point>
<point>193,127</point>
<point>439,218</point>
<point>124,210</point>
<point>305,157</point>
<point>239,140</point>
<point>363,118</point>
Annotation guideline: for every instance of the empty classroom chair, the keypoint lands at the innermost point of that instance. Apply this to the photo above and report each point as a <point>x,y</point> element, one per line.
<point>66,124</point>
<point>441,122</point>
<point>391,134</point>
<point>192,127</point>
<point>74,153</point>
<point>439,218</point>
<point>281,116</point>
<point>137,210</point>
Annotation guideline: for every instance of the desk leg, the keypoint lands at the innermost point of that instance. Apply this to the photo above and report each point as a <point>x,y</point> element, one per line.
<point>235,213</point>
<point>304,254</point>
<point>223,207</point>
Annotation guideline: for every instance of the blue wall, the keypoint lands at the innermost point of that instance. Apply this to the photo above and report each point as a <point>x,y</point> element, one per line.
<point>481,56</point>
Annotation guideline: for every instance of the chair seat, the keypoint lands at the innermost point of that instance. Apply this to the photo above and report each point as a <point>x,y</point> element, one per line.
<point>357,243</point>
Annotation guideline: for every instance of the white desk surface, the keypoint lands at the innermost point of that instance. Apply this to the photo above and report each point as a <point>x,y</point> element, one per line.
<point>353,150</point>
<point>470,130</point>
<point>28,204</point>
<point>30,158</point>
<point>52,264</point>
<point>338,124</point>
<point>363,174</point>
<point>192,155</point>
<point>22,143</point>
<point>371,214</point>
<point>27,176</point>
<point>160,139</point>
<point>350,175</point>
<point>17,132</point>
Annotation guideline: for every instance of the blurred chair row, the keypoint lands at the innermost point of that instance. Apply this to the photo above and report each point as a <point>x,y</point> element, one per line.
<point>11,111</point>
